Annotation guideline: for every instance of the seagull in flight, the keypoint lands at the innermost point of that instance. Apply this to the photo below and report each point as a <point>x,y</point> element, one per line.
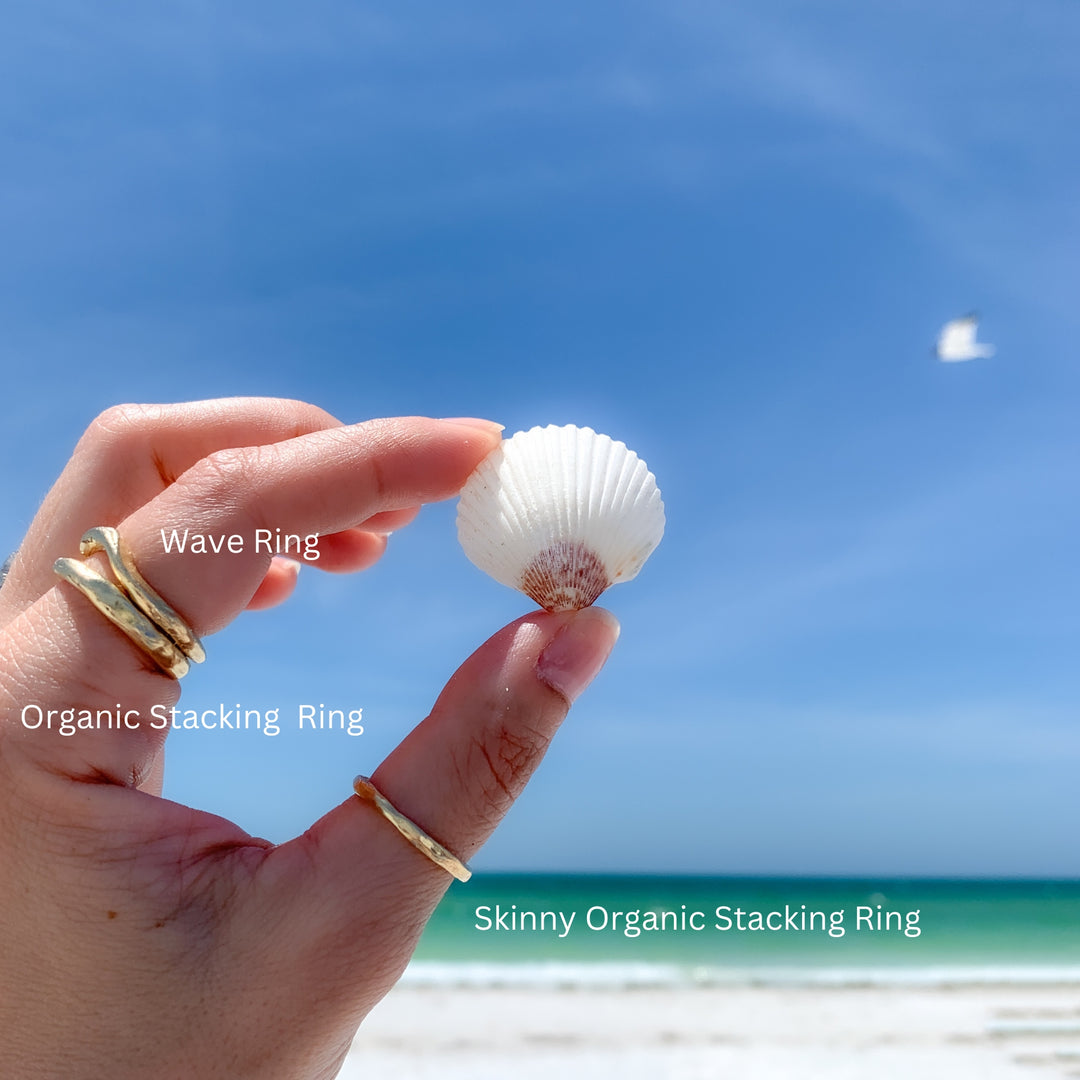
<point>957,341</point>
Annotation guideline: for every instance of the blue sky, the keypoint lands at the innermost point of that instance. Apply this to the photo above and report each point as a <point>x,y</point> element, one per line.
<point>726,234</point>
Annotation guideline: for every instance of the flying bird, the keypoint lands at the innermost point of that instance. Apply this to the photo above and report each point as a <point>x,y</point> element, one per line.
<point>957,341</point>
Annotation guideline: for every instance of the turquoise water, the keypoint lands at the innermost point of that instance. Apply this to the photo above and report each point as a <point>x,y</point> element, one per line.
<point>518,927</point>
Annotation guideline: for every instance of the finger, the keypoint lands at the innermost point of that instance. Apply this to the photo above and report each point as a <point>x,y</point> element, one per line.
<point>76,696</point>
<point>154,779</point>
<point>65,652</point>
<point>127,456</point>
<point>339,553</point>
<point>277,586</point>
<point>322,483</point>
<point>344,552</point>
<point>391,521</point>
<point>349,550</point>
<point>455,775</point>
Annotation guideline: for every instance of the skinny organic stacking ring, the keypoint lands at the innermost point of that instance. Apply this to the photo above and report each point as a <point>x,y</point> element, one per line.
<point>412,832</point>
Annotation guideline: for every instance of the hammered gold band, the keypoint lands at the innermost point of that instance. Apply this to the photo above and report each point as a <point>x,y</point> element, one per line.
<point>131,604</point>
<point>412,832</point>
<point>107,539</point>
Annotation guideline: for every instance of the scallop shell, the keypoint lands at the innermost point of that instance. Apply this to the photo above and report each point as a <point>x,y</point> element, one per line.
<point>560,513</point>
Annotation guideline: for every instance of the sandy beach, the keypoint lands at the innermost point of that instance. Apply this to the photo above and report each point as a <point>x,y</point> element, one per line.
<point>738,1033</point>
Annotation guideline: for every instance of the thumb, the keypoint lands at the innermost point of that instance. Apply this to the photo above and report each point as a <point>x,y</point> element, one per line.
<point>462,769</point>
<point>455,776</point>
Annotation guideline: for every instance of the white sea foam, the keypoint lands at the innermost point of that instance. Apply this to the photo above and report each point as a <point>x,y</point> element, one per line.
<point>542,975</point>
<point>615,976</point>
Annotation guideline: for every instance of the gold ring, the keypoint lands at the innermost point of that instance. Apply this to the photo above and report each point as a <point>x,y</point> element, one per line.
<point>107,539</point>
<point>123,614</point>
<point>131,604</point>
<point>412,832</point>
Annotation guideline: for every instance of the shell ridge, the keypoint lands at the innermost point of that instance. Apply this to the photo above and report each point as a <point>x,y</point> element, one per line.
<point>561,513</point>
<point>583,508</point>
<point>565,453</point>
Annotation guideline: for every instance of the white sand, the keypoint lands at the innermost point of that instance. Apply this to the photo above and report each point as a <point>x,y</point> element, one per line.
<point>968,1033</point>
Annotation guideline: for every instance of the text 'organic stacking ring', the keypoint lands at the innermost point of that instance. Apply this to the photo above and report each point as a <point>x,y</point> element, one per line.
<point>411,831</point>
<point>131,604</point>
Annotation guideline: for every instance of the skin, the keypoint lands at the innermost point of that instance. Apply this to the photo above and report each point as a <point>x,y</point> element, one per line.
<point>144,939</point>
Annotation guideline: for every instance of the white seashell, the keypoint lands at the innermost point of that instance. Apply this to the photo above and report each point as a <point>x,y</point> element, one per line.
<point>560,513</point>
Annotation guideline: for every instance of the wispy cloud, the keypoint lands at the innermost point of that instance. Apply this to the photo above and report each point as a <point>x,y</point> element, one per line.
<point>799,575</point>
<point>969,130</point>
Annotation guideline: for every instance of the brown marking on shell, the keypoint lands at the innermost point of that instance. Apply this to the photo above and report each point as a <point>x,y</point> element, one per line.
<point>565,577</point>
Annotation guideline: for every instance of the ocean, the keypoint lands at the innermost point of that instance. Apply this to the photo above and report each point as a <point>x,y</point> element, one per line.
<point>651,930</point>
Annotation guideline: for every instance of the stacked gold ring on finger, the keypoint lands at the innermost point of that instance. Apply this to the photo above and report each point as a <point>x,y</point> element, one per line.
<point>425,844</point>
<point>131,604</point>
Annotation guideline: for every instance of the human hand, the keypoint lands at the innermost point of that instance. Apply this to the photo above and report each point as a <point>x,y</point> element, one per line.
<point>142,938</point>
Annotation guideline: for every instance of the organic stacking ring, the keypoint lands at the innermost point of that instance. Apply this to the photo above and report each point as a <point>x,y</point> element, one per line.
<point>131,604</point>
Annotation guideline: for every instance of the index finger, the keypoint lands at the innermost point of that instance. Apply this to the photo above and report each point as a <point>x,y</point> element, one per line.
<point>319,483</point>
<point>128,455</point>
<point>324,481</point>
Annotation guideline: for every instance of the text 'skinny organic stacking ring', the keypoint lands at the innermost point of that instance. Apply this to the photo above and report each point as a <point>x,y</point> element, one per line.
<point>131,604</point>
<point>411,831</point>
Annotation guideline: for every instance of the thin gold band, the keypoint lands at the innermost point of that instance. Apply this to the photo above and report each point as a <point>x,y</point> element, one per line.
<point>412,832</point>
<point>131,604</point>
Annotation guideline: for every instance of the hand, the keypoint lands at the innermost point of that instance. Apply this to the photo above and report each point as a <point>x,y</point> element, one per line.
<point>143,939</point>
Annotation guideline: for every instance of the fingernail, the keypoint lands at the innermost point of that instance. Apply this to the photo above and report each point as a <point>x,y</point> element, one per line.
<point>576,654</point>
<point>473,422</point>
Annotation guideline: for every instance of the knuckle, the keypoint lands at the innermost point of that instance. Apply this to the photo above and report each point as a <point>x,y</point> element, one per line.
<point>228,481</point>
<point>120,426</point>
<point>223,476</point>
<point>499,764</point>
